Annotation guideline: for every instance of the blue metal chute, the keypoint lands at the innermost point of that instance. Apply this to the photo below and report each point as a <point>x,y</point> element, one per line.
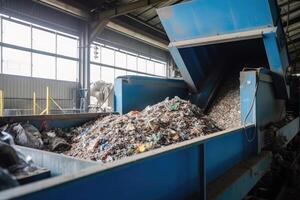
<point>209,38</point>
<point>221,60</point>
<point>204,18</point>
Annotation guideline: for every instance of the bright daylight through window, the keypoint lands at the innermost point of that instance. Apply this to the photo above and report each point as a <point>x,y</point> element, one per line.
<point>108,62</point>
<point>37,51</point>
<point>45,53</point>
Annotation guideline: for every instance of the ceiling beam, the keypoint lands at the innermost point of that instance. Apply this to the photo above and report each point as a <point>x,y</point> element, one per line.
<point>151,18</point>
<point>145,24</point>
<point>66,8</point>
<point>105,16</point>
<point>162,4</point>
<point>284,2</point>
<point>293,27</point>
<point>118,27</point>
<point>292,15</point>
<point>289,8</point>
<point>127,8</point>
<point>143,37</point>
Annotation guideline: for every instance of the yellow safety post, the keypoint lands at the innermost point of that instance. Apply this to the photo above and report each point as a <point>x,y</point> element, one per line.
<point>47,100</point>
<point>1,102</point>
<point>34,103</point>
<point>46,111</point>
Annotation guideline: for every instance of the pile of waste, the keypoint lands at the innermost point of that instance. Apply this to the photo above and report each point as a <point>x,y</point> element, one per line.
<point>117,136</point>
<point>13,164</point>
<point>27,135</point>
<point>225,110</point>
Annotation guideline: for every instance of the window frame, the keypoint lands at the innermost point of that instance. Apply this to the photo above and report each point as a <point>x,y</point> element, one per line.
<point>126,69</point>
<point>32,51</point>
<point>57,56</point>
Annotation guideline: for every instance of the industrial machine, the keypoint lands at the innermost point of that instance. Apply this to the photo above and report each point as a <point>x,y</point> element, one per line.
<point>209,38</point>
<point>103,92</point>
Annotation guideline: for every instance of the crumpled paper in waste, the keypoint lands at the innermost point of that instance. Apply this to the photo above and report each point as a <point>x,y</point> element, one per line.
<point>117,136</point>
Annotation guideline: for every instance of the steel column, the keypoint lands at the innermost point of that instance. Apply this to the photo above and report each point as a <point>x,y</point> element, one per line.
<point>84,64</point>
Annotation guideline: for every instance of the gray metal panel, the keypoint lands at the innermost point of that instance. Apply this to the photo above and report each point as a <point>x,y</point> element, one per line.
<point>56,162</point>
<point>18,91</point>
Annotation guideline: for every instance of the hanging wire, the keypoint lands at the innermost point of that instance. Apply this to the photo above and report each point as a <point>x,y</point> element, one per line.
<point>248,114</point>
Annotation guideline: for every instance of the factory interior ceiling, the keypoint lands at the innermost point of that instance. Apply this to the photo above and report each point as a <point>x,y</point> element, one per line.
<point>290,17</point>
<point>141,16</point>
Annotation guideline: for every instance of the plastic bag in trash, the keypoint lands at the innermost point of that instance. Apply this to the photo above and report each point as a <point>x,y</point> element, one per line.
<point>6,180</point>
<point>7,138</point>
<point>13,161</point>
<point>27,135</point>
<point>8,156</point>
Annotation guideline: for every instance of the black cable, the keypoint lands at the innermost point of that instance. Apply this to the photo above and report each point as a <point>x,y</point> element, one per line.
<point>250,110</point>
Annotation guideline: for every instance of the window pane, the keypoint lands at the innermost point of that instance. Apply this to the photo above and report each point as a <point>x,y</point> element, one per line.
<point>16,62</point>
<point>66,69</point>
<point>120,59</point>
<point>150,67</point>
<point>142,67</point>
<point>43,66</point>
<point>94,73</point>
<point>131,62</point>
<point>119,72</point>
<point>107,74</point>
<point>107,56</point>
<point>95,53</point>
<point>16,34</point>
<point>67,46</point>
<point>43,40</point>
<point>160,69</point>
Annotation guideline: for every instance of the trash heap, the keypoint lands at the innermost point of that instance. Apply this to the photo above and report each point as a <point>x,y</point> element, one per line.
<point>225,110</point>
<point>27,135</point>
<point>15,167</point>
<point>117,136</point>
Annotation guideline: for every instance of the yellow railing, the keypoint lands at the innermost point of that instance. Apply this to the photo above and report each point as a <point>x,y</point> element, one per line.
<point>1,102</point>
<point>34,104</point>
<point>49,99</point>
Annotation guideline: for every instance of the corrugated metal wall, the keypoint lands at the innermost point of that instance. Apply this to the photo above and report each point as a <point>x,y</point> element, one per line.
<point>18,91</point>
